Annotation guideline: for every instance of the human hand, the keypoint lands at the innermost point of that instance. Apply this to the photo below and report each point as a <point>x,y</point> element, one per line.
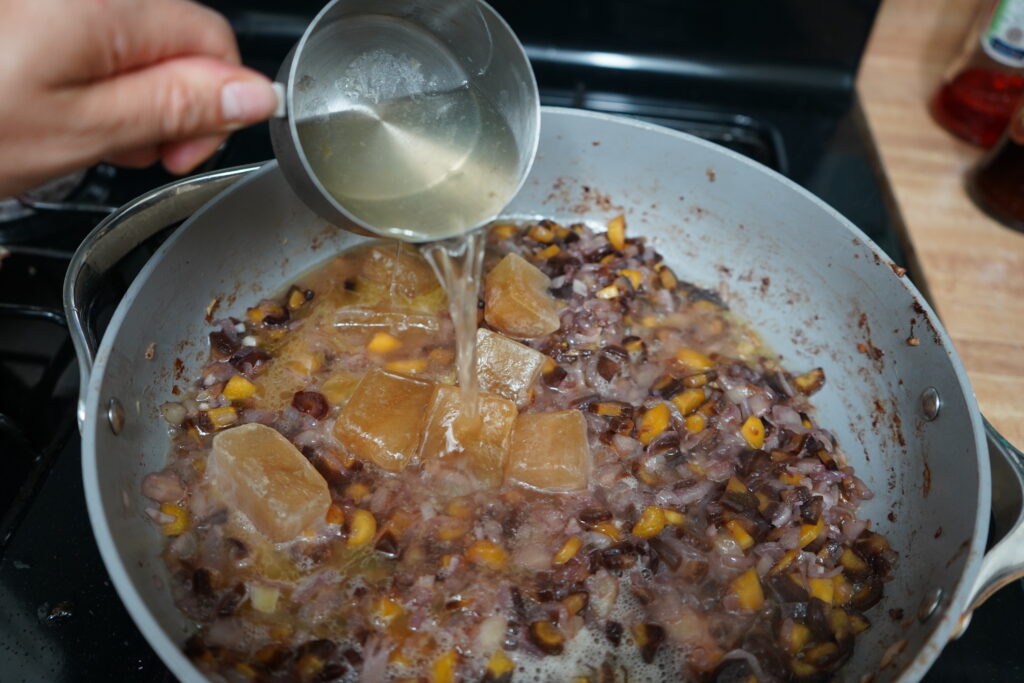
<point>131,82</point>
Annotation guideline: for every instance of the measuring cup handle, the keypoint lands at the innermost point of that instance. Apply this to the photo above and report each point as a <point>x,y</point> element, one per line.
<point>281,90</point>
<point>114,238</point>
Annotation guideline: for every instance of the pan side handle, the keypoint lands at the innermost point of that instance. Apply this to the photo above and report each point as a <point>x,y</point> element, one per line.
<point>116,236</point>
<point>1004,562</point>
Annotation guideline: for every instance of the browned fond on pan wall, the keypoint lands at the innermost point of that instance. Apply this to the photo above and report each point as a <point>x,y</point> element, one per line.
<point>973,266</point>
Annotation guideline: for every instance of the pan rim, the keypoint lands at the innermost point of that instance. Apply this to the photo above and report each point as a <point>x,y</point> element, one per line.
<point>170,653</point>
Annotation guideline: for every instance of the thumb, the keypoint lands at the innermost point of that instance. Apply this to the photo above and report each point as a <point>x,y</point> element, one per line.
<point>178,99</point>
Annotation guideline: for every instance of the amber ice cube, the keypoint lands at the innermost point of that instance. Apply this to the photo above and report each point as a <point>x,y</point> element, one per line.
<point>550,451</point>
<point>399,268</point>
<point>381,421</point>
<point>517,301</point>
<point>479,444</point>
<point>506,367</point>
<point>258,472</point>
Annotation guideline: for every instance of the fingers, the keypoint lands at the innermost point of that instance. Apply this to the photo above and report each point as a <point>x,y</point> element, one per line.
<point>174,100</point>
<point>181,157</point>
<point>136,158</point>
<point>142,32</point>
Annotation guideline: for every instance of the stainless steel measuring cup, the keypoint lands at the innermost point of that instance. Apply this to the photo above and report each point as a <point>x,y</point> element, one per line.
<point>412,119</point>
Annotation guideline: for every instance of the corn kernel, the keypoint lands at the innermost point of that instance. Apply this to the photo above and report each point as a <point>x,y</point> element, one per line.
<point>802,669</point>
<point>762,501</point>
<point>695,422</point>
<point>648,321</point>
<point>609,530</point>
<point>238,388</point>
<point>264,598</point>
<point>487,554</point>
<point>635,277</point>
<point>667,278</point>
<point>540,233</point>
<point>460,508</point>
<point>747,588</point>
<point>692,381</point>
<point>296,299</point>
<point>688,400</point>
<point>674,517</point>
<point>823,589</point>
<point>443,670</point>
<point>820,652</point>
<point>245,670</point>
<point>179,524</point>
<point>839,622</point>
<point>654,422</point>
<point>740,534</point>
<point>791,478</point>
<point>696,469</point>
<point>609,292</point>
<point>809,532</point>
<point>362,528</point>
<point>753,431</point>
<point>452,529</point>
<point>339,388</point>
<point>606,259</point>
<point>567,551</point>
<point>851,561</point>
<point>385,611</point>
<point>783,563</point>
<point>304,363</point>
<point>410,366</point>
<point>335,515</point>
<point>499,665</point>
<point>735,486</point>
<point>575,603</point>
<point>651,522</point>
<point>222,417</point>
<point>503,231</point>
<point>382,342</point>
<point>617,232</point>
<point>842,590</point>
<point>810,382</point>
<point>694,360</point>
<point>858,624</point>
<point>357,491</point>
<point>799,636</point>
<point>548,252</point>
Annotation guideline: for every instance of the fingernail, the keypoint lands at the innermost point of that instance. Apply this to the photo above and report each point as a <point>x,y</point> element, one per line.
<point>247,101</point>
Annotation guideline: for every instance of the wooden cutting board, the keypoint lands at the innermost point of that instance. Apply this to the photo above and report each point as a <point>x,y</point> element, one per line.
<point>972,265</point>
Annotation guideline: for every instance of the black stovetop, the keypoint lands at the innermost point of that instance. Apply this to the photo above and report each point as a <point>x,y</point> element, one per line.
<point>791,109</point>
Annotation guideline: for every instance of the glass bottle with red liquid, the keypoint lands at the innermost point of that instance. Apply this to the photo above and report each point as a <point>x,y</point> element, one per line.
<point>996,183</point>
<point>983,86</point>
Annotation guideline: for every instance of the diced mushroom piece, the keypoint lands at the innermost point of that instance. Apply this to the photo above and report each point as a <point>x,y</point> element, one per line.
<point>482,443</point>
<point>517,301</point>
<point>381,421</point>
<point>399,268</point>
<point>506,367</point>
<point>550,451</point>
<point>258,472</point>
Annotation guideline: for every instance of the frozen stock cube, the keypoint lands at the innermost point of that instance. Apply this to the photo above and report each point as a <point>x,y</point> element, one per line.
<point>399,268</point>
<point>506,367</point>
<point>480,444</point>
<point>517,301</point>
<point>258,472</point>
<point>381,421</point>
<point>550,451</point>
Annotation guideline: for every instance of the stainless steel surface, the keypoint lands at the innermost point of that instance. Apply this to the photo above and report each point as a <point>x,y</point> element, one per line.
<point>929,604</point>
<point>115,415</point>
<point>134,222</point>
<point>931,403</point>
<point>362,56</point>
<point>810,282</point>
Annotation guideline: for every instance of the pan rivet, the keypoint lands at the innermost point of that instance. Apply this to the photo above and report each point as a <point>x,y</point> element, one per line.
<point>115,416</point>
<point>929,604</point>
<point>930,403</point>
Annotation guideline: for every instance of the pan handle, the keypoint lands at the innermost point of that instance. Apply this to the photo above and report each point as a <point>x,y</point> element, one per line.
<point>117,235</point>
<point>1004,563</point>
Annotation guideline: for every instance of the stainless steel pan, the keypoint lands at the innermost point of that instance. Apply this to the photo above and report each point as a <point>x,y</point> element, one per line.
<point>816,287</point>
